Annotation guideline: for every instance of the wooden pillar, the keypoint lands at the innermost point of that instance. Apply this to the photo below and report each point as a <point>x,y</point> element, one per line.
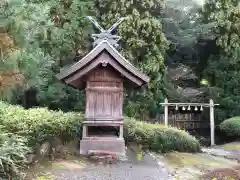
<point>84,131</point>
<point>212,124</point>
<point>166,112</point>
<point>121,132</point>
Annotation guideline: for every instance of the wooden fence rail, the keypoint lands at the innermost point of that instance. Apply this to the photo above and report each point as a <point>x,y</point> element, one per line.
<point>188,121</point>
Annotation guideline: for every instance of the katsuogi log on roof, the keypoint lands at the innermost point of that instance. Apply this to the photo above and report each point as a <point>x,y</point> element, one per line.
<point>105,55</point>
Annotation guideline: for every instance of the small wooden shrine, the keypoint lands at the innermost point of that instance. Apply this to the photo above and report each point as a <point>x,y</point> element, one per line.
<point>103,72</point>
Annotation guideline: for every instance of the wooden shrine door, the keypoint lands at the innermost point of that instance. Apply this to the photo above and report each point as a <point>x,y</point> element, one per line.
<point>104,93</point>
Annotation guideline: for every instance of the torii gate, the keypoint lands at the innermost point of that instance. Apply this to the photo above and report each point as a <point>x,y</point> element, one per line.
<point>210,105</point>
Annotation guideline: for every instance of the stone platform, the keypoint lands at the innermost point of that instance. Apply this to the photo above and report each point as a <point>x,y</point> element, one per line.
<point>111,145</point>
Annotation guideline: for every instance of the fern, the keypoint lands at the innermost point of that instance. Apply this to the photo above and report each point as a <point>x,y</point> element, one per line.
<point>12,154</point>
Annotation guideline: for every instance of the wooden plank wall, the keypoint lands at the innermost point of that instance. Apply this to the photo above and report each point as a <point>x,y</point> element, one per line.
<point>188,121</point>
<point>104,94</point>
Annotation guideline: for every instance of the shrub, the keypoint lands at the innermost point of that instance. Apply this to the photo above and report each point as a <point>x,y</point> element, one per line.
<point>13,149</point>
<point>159,138</point>
<point>231,126</point>
<point>39,124</point>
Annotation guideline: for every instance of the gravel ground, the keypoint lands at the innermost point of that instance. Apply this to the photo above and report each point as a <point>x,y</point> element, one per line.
<point>151,167</point>
<point>147,169</point>
<point>229,154</point>
<point>123,171</point>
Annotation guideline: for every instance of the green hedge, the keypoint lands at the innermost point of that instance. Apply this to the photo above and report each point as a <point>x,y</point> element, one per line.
<point>231,126</point>
<point>40,123</point>
<point>159,138</point>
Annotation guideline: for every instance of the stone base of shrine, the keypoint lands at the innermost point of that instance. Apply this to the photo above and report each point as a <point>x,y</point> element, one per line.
<point>109,145</point>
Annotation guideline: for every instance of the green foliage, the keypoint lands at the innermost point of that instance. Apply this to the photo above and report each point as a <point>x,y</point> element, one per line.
<point>39,124</point>
<point>48,35</point>
<point>225,85</point>
<point>180,24</point>
<point>231,126</point>
<point>159,138</point>
<point>22,21</point>
<point>20,128</point>
<point>223,65</point>
<point>13,149</point>
<point>181,28</point>
<point>225,14</point>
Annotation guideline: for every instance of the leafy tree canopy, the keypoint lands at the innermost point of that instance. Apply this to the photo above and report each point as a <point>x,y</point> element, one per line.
<point>223,66</point>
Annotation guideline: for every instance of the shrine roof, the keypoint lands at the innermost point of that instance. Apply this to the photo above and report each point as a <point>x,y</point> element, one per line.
<point>101,47</point>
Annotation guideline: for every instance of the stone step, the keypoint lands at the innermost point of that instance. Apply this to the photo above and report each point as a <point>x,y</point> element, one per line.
<point>101,146</point>
<point>108,157</point>
<point>101,152</point>
<point>105,157</point>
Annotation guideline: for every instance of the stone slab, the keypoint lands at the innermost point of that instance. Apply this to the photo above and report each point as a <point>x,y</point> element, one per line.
<point>111,145</point>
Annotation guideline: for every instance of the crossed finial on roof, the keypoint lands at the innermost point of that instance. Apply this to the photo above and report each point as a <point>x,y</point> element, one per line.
<point>106,34</point>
